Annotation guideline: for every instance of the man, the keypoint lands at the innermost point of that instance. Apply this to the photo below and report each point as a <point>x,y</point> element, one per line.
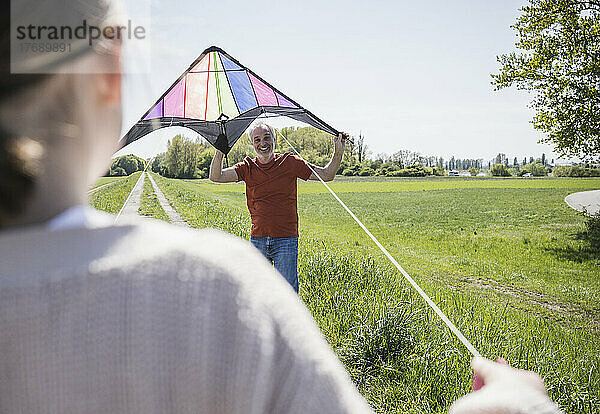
<point>271,194</point>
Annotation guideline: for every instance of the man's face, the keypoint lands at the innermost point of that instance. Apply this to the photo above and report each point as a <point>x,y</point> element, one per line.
<point>262,141</point>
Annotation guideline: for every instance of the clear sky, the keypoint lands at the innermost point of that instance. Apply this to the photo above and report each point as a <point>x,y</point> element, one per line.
<point>409,75</point>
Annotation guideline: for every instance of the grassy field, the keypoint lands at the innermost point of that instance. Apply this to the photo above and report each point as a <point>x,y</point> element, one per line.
<point>504,258</point>
<point>112,197</point>
<point>105,180</point>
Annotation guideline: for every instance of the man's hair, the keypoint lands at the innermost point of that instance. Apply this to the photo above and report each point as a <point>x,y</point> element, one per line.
<point>261,124</point>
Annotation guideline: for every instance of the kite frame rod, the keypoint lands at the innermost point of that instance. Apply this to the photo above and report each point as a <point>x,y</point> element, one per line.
<point>391,258</point>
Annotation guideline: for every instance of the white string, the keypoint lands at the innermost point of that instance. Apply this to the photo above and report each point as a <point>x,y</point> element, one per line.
<point>410,280</point>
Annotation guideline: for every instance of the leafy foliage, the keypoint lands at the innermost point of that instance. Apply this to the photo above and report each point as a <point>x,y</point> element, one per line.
<point>560,44</point>
<point>500,170</point>
<point>126,165</point>
<point>185,158</point>
<point>575,171</point>
<point>536,169</point>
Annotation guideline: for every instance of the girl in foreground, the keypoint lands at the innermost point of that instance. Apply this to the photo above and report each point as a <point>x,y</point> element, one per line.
<point>146,317</point>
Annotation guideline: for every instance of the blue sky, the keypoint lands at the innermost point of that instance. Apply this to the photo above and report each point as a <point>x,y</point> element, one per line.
<point>409,75</point>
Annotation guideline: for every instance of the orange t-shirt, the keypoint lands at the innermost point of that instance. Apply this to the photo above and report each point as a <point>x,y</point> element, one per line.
<point>271,193</point>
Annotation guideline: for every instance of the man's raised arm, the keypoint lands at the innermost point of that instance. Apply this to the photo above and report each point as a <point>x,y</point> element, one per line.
<point>327,173</point>
<point>217,173</point>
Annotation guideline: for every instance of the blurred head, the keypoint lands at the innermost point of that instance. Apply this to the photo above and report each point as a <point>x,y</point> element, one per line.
<point>57,131</point>
<point>262,137</point>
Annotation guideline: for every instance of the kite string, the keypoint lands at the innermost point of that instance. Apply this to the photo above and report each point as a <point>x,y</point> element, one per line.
<point>410,280</point>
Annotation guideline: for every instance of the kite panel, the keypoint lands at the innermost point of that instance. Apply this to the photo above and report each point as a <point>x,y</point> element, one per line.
<point>240,85</point>
<point>173,101</point>
<point>156,112</point>
<point>196,98</point>
<point>265,95</point>
<point>283,101</point>
<point>227,104</point>
<point>201,66</point>
<point>212,111</point>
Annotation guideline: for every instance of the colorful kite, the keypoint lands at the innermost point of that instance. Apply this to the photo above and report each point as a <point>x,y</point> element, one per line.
<point>218,97</point>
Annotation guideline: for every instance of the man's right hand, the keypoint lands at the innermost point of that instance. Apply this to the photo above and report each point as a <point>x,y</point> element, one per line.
<point>505,390</point>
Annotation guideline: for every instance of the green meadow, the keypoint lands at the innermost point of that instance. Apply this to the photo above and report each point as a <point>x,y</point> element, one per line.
<point>506,259</point>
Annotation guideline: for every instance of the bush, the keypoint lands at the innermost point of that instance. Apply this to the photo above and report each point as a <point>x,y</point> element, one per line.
<point>366,171</point>
<point>410,171</point>
<point>536,169</point>
<point>117,172</point>
<point>439,171</point>
<point>473,171</point>
<point>499,170</point>
<point>575,171</point>
<point>128,163</point>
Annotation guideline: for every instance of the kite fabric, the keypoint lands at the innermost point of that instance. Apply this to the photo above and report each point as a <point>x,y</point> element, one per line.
<point>219,98</point>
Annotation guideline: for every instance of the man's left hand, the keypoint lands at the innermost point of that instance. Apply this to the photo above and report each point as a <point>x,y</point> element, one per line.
<point>340,141</point>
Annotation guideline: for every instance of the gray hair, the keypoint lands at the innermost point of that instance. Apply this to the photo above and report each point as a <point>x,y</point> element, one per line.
<point>260,124</point>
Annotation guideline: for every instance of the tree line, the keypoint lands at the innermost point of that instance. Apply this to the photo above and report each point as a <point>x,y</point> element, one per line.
<point>191,158</point>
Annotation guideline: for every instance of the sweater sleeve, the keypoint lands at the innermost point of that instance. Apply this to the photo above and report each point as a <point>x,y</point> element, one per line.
<point>301,374</point>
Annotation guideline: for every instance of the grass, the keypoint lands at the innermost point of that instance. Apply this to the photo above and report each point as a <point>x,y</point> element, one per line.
<point>149,205</point>
<point>111,198</point>
<point>505,260</point>
<point>105,180</point>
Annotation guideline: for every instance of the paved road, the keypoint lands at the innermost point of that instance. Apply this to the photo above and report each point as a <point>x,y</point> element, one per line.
<point>588,201</point>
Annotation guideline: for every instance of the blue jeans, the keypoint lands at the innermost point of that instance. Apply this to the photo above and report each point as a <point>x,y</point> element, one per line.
<point>282,252</point>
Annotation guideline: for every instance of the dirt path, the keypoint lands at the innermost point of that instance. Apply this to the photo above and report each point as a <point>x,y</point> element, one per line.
<point>132,203</point>
<point>174,216</point>
<point>588,201</point>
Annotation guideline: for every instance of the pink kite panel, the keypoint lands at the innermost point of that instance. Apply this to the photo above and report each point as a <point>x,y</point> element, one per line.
<point>174,100</point>
<point>264,94</point>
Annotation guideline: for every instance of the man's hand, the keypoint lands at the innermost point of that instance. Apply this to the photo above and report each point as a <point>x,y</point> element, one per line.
<point>339,142</point>
<point>504,390</point>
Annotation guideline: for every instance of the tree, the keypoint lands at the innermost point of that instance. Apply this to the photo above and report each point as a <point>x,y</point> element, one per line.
<point>560,50</point>
<point>127,164</point>
<point>361,147</point>
<point>535,169</point>
<point>499,170</point>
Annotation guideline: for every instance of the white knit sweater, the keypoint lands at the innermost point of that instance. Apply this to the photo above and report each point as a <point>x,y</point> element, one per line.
<point>149,318</point>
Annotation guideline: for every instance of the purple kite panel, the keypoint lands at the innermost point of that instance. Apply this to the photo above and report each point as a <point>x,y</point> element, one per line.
<point>156,112</point>
<point>283,101</point>
<point>265,95</point>
<point>174,100</point>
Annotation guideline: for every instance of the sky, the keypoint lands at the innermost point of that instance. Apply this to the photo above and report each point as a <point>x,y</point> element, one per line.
<point>407,75</point>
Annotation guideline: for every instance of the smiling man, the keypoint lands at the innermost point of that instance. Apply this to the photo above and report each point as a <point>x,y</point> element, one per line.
<point>271,194</point>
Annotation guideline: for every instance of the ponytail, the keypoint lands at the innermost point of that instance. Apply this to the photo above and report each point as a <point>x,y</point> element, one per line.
<point>19,169</point>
